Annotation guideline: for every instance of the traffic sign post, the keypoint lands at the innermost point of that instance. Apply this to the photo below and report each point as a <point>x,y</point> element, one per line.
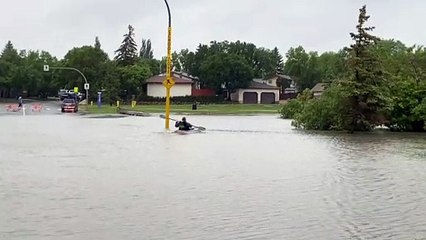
<point>47,68</point>
<point>99,99</point>
<point>168,82</point>
<point>87,87</point>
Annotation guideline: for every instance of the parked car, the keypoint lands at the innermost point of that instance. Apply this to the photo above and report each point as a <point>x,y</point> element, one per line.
<point>69,105</point>
<point>63,93</point>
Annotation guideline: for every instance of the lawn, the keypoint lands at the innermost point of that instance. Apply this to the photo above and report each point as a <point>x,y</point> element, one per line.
<point>209,109</point>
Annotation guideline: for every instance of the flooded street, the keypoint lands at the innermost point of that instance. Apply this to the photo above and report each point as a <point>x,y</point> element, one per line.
<point>67,176</point>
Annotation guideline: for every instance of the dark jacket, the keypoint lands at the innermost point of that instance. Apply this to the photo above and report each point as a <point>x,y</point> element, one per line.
<point>183,125</point>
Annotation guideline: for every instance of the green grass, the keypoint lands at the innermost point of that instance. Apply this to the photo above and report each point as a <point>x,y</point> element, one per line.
<point>209,109</point>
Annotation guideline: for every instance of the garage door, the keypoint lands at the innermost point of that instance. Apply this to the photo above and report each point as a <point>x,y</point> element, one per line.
<point>250,97</point>
<point>267,98</point>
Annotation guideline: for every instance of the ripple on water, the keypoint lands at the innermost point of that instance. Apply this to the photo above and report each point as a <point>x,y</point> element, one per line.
<point>254,179</point>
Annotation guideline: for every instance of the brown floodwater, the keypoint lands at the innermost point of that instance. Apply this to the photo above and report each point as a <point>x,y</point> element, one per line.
<point>70,176</point>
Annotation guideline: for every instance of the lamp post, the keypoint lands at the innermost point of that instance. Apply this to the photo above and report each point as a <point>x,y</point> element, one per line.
<point>168,82</point>
<point>86,85</point>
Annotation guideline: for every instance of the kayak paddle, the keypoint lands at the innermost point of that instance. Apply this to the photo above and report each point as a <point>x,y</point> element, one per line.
<point>199,127</point>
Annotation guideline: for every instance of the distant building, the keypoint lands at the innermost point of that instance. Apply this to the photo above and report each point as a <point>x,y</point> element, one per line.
<point>183,85</point>
<point>286,84</point>
<point>256,93</point>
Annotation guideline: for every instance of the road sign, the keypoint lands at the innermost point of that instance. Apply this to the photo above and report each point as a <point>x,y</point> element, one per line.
<point>169,82</point>
<point>99,99</point>
<point>86,86</point>
<point>75,89</point>
<point>46,68</point>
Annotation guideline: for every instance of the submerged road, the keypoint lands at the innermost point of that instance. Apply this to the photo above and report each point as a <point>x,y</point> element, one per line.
<point>31,107</point>
<point>72,176</point>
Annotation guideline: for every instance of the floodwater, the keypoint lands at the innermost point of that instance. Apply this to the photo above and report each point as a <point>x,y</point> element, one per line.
<point>70,176</point>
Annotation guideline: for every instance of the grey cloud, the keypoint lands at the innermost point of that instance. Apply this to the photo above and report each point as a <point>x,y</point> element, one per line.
<point>59,25</point>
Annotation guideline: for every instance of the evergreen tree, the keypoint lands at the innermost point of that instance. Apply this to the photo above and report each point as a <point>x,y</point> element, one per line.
<point>279,64</point>
<point>10,54</point>
<point>10,65</point>
<point>97,43</point>
<point>127,53</point>
<point>146,51</point>
<point>367,97</point>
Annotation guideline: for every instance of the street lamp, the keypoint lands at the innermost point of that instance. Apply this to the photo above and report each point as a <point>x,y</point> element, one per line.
<point>86,85</point>
<point>168,82</point>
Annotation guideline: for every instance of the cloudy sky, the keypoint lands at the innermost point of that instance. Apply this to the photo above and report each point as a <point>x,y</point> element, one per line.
<point>320,25</point>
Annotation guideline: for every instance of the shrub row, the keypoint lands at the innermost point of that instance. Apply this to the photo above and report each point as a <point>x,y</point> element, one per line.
<point>182,100</point>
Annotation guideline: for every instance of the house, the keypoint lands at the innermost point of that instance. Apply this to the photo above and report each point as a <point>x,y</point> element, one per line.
<point>285,83</point>
<point>182,87</point>
<point>318,89</point>
<point>203,92</point>
<point>257,92</point>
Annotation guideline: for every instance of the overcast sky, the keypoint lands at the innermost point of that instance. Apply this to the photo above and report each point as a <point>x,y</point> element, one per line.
<point>320,25</point>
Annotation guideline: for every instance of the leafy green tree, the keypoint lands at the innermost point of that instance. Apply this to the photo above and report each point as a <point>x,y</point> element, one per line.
<point>126,54</point>
<point>183,58</point>
<point>46,85</point>
<point>22,72</point>
<point>154,65</point>
<point>332,66</point>
<point>196,59</point>
<point>146,51</point>
<point>225,70</point>
<point>303,67</point>
<point>263,62</point>
<point>408,104</point>
<point>176,65</point>
<point>91,62</point>
<point>30,77</point>
<point>404,68</point>
<point>133,78</point>
<point>111,83</point>
<point>417,59</point>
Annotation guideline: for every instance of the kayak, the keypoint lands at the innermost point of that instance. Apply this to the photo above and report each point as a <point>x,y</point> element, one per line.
<point>183,132</point>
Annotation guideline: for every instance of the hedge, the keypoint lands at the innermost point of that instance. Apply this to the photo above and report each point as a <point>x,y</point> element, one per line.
<point>182,100</point>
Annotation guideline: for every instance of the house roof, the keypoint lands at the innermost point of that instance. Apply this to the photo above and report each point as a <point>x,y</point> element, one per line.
<point>319,87</point>
<point>259,80</point>
<point>184,75</point>
<point>284,76</point>
<point>158,79</point>
<point>258,85</point>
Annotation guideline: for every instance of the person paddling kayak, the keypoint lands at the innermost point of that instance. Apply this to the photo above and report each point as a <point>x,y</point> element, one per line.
<point>183,125</point>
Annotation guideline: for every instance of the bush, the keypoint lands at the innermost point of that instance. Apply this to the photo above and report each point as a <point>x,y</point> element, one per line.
<point>290,109</point>
<point>324,113</point>
<point>295,106</point>
<point>330,112</point>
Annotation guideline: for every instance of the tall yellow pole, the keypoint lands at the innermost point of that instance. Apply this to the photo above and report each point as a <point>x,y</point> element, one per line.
<point>168,82</point>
